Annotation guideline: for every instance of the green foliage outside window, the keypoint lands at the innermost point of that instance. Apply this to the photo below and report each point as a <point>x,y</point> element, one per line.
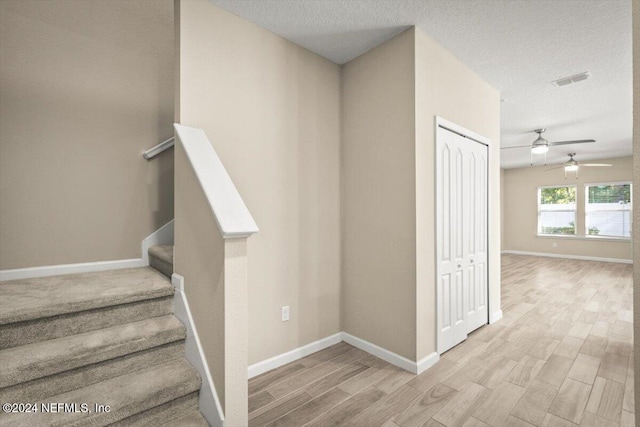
<point>558,196</point>
<point>610,193</point>
<point>571,229</point>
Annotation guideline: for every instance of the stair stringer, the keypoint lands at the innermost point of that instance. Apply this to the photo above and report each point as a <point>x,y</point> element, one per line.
<point>209,403</point>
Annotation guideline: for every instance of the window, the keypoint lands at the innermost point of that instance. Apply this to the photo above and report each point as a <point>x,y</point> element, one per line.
<point>557,210</point>
<point>608,210</point>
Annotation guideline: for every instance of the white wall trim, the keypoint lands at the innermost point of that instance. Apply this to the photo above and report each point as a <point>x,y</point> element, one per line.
<point>388,356</point>
<point>582,257</point>
<point>293,355</point>
<point>209,404</point>
<point>495,316</point>
<point>55,270</point>
<point>178,282</point>
<point>382,353</point>
<point>162,236</point>
<point>427,362</point>
<point>442,122</point>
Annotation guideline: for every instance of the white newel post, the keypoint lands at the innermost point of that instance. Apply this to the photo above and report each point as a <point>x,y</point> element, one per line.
<point>235,332</point>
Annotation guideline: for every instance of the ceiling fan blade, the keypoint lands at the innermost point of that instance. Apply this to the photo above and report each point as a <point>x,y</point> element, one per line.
<point>557,167</point>
<point>595,164</point>
<point>516,146</point>
<point>577,141</point>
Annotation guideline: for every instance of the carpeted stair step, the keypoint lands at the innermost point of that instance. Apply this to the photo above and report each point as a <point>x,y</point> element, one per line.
<point>47,328</point>
<point>44,387</point>
<point>161,258</point>
<point>190,419</point>
<point>29,299</point>
<point>125,395</point>
<point>167,414</point>
<point>45,358</point>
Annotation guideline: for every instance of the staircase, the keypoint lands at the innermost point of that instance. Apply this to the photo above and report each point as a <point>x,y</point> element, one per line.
<point>97,349</point>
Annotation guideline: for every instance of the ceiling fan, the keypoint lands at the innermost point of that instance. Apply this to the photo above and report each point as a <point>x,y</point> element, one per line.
<point>541,145</point>
<point>572,165</point>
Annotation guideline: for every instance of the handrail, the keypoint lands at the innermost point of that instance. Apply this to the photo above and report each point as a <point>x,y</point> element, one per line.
<point>154,151</point>
<point>228,208</point>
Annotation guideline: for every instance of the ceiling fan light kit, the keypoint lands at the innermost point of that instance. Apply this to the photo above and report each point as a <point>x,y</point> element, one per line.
<point>572,165</point>
<point>539,149</point>
<point>540,145</point>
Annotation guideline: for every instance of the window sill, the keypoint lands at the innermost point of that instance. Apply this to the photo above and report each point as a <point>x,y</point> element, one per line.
<point>579,237</point>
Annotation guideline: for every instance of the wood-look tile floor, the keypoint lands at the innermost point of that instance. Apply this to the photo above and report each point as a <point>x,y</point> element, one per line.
<point>561,356</point>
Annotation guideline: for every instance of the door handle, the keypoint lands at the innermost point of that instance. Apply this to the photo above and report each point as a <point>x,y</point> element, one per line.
<point>471,261</point>
<point>459,266</point>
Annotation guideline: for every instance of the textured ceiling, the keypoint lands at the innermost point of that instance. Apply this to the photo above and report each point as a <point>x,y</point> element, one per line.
<point>519,46</point>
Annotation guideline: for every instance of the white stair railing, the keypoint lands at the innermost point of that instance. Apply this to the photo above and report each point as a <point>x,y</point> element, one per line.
<point>212,224</point>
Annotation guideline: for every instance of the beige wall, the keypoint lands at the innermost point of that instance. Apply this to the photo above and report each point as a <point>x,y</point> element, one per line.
<point>378,199</point>
<point>391,96</point>
<point>272,112</point>
<point>86,88</point>
<point>636,193</point>
<point>521,209</point>
<point>447,88</point>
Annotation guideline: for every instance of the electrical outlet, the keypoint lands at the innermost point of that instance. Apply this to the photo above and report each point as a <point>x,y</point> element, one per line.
<point>554,244</point>
<point>285,313</point>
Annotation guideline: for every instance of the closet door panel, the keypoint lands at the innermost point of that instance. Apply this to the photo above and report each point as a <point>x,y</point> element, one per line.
<point>449,253</point>
<point>477,314</point>
<point>461,248</point>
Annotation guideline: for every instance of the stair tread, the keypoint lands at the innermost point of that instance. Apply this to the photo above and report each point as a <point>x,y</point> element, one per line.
<point>28,299</point>
<point>41,388</point>
<point>191,418</point>
<point>40,359</point>
<point>126,395</point>
<point>162,252</point>
<point>48,328</point>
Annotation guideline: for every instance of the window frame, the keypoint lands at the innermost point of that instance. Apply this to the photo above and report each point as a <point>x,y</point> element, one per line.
<point>540,210</point>
<point>586,210</point>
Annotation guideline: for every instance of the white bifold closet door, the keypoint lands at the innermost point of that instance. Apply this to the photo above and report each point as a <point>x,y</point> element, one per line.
<point>461,211</point>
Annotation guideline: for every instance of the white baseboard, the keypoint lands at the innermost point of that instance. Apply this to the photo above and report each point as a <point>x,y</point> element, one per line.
<point>162,236</point>
<point>209,404</point>
<point>427,362</point>
<point>495,316</point>
<point>384,354</point>
<point>581,257</point>
<point>293,355</point>
<point>55,270</point>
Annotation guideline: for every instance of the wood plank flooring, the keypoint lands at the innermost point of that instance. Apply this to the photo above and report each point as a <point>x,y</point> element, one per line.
<point>561,356</point>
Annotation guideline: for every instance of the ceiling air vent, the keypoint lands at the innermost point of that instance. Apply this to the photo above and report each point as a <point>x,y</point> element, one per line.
<point>571,79</point>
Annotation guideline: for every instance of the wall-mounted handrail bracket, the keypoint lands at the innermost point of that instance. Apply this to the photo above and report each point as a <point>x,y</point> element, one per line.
<point>154,151</point>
